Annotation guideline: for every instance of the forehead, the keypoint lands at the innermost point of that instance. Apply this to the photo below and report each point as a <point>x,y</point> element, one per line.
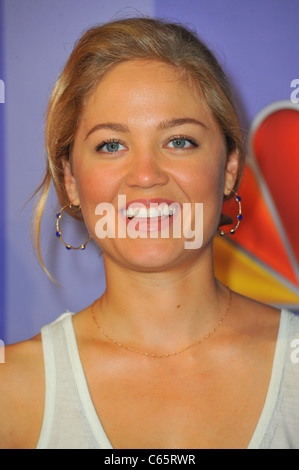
<point>147,89</point>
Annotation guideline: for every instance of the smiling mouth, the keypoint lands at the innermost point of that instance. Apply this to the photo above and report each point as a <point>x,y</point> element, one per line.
<point>153,212</point>
<point>151,217</point>
<point>149,214</point>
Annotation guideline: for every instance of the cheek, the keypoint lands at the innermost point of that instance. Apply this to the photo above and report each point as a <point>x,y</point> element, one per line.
<point>95,186</point>
<point>203,180</point>
<point>204,183</point>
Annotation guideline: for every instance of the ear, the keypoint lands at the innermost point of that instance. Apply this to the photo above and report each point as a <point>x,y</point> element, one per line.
<point>70,184</point>
<point>231,172</point>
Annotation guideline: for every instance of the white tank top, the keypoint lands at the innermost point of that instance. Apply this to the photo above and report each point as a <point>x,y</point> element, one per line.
<point>71,422</point>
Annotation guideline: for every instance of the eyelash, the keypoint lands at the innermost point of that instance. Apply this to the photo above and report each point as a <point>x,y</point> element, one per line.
<point>118,141</point>
<point>183,137</point>
<point>106,142</point>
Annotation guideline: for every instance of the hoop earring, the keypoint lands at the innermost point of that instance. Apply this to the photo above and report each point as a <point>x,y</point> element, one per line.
<point>59,234</point>
<point>239,217</point>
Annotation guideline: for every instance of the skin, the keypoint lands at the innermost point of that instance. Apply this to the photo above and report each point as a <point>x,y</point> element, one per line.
<point>160,296</point>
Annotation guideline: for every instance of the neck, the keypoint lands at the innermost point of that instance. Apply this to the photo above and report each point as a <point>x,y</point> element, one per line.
<point>160,311</point>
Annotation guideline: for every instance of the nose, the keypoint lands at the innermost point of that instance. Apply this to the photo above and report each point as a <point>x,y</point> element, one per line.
<point>145,170</point>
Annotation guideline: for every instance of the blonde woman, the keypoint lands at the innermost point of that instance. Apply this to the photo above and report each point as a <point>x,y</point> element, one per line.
<point>141,123</point>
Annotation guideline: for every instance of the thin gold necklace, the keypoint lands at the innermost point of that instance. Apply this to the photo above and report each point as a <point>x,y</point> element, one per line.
<point>195,343</point>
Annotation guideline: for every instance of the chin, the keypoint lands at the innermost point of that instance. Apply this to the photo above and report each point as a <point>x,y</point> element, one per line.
<point>153,255</point>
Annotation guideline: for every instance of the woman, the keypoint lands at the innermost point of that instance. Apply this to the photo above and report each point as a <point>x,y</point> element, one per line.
<point>141,130</point>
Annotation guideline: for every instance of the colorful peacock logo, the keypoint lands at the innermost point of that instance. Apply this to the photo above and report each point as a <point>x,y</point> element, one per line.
<point>261,260</point>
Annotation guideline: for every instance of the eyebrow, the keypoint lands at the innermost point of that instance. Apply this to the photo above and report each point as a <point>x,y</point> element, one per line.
<point>109,125</point>
<point>115,126</point>
<point>179,122</point>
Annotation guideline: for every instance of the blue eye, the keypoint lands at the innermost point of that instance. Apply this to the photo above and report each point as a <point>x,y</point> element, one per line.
<point>181,143</point>
<point>110,147</point>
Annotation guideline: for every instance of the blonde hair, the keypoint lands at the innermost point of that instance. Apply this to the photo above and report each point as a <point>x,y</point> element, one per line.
<point>103,47</point>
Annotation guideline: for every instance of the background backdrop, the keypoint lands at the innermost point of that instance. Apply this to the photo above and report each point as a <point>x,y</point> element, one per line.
<point>255,40</point>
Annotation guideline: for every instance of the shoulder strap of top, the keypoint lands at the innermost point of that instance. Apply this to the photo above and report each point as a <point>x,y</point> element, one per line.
<point>50,384</point>
<point>50,378</point>
<point>88,408</point>
<point>70,420</point>
<point>275,381</point>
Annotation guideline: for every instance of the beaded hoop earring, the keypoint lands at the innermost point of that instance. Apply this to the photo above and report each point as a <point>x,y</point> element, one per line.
<point>239,217</point>
<point>59,234</point>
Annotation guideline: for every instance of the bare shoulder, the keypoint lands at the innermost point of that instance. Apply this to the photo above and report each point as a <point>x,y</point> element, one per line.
<point>22,394</point>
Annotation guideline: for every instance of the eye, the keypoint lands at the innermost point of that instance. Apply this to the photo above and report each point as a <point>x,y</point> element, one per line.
<point>182,143</point>
<point>110,146</point>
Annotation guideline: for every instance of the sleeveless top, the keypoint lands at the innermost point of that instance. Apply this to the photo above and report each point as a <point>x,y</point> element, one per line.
<point>71,422</point>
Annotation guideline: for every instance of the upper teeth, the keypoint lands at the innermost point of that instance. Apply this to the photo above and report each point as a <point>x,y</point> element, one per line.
<point>143,212</point>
